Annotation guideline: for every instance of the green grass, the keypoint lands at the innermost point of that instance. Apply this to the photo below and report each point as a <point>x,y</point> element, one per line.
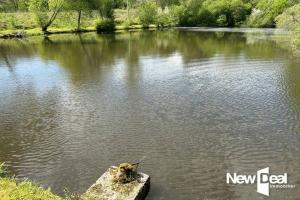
<point>25,190</point>
<point>121,17</point>
<point>66,22</point>
<point>11,189</point>
<point>11,23</point>
<point>27,20</point>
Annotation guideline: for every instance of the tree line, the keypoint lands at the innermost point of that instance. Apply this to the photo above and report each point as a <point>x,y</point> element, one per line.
<point>217,13</point>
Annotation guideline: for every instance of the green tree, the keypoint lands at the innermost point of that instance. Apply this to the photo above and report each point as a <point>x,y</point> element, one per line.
<point>228,12</point>
<point>13,5</point>
<point>148,13</point>
<point>129,4</point>
<point>290,18</point>
<point>188,12</point>
<point>265,12</point>
<point>42,8</point>
<point>79,6</point>
<point>166,3</point>
<point>6,5</point>
<point>105,7</point>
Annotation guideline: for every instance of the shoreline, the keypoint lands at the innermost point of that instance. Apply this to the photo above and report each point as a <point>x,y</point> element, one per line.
<point>19,34</point>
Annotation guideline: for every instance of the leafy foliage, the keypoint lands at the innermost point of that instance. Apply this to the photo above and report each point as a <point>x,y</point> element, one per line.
<point>105,7</point>
<point>163,19</point>
<point>148,13</point>
<point>212,12</point>
<point>228,12</point>
<point>41,8</point>
<point>290,18</point>
<point>13,5</point>
<point>265,12</point>
<point>105,25</point>
<point>222,13</point>
<point>188,12</point>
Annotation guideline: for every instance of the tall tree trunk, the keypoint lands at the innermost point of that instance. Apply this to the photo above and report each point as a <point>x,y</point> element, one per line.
<point>79,20</point>
<point>128,18</point>
<point>101,13</point>
<point>44,28</point>
<point>16,5</point>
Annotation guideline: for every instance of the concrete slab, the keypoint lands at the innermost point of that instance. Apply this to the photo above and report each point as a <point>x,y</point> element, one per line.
<point>107,189</point>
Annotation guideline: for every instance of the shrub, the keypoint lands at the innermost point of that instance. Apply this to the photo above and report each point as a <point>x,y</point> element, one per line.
<point>189,17</point>
<point>105,25</point>
<point>176,14</point>
<point>148,13</point>
<point>265,12</point>
<point>222,20</point>
<point>226,12</point>
<point>164,19</point>
<point>290,18</point>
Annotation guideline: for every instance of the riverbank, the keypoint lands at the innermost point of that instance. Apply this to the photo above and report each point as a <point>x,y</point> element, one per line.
<point>21,33</point>
<point>137,188</point>
<point>11,189</point>
<point>23,24</point>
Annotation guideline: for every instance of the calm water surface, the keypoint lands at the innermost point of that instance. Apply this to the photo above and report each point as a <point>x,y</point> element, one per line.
<point>195,104</point>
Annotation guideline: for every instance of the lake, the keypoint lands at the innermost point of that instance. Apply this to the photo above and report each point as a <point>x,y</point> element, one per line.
<point>193,104</point>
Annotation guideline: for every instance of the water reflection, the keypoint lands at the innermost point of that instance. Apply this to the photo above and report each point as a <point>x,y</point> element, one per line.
<point>196,104</point>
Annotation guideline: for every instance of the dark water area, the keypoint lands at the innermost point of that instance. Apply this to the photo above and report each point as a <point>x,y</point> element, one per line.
<point>194,104</point>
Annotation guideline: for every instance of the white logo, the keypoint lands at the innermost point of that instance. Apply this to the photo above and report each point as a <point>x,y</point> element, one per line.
<point>263,179</point>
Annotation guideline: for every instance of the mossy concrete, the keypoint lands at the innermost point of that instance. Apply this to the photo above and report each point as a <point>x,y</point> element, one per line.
<point>107,189</point>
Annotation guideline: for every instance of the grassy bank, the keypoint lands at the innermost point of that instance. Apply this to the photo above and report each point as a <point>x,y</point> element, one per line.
<point>25,190</point>
<point>24,23</point>
<point>37,31</point>
<point>10,189</point>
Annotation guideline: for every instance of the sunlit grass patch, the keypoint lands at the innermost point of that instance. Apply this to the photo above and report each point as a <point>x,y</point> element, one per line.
<point>26,190</point>
<point>10,189</point>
